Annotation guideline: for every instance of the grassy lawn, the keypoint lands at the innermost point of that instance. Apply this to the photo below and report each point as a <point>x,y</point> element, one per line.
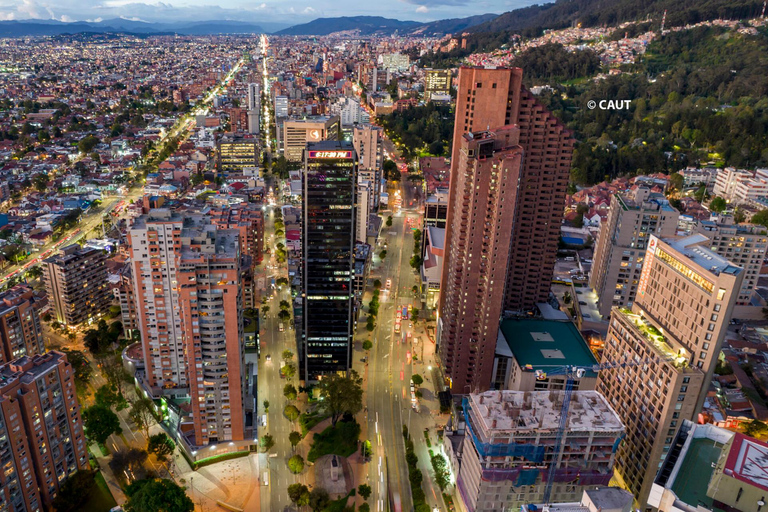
<point>340,504</point>
<point>339,440</point>
<point>101,499</point>
<point>308,420</point>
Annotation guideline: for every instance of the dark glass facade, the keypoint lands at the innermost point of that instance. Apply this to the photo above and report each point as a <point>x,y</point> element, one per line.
<point>328,241</point>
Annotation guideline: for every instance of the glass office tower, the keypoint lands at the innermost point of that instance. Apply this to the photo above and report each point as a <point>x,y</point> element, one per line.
<point>328,242</point>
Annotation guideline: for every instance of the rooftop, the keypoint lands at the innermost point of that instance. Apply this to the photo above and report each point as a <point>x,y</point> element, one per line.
<point>701,256</point>
<point>545,343</point>
<point>536,411</point>
<point>748,461</point>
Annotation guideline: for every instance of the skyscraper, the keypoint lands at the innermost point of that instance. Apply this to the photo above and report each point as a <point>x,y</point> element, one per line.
<point>254,108</point>
<point>533,204</point>
<point>484,193</point>
<point>76,282</point>
<point>328,244</point>
<point>632,219</point>
<point>20,330</point>
<point>186,278</point>
<point>41,432</point>
<point>368,146</point>
<point>677,324</point>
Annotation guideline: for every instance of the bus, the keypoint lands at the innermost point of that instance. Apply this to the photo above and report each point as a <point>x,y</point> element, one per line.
<point>405,312</point>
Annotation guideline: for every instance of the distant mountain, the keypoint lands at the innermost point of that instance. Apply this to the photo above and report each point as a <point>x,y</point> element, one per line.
<point>365,24</point>
<point>592,13</point>
<point>54,28</point>
<point>452,26</point>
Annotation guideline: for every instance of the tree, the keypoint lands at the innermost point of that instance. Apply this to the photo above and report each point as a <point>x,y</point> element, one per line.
<point>75,490</point>
<point>389,221</point>
<point>80,365</point>
<point>265,310</point>
<point>107,396</point>
<point>417,379</point>
<point>161,445</point>
<point>718,205</point>
<point>100,423</point>
<point>287,355</point>
<point>364,508</point>
<point>289,391</point>
<point>284,315</point>
<point>370,324</point>
<point>296,464</point>
<point>285,305</point>
<point>115,373</point>
<point>364,490</point>
<point>676,180</point>
<point>288,371</point>
<point>87,144</point>
<point>132,459</point>
<point>143,414</point>
<point>760,218</point>
<point>40,182</point>
<point>266,405</point>
<point>416,261</point>
<point>342,395</point>
<point>377,284</point>
<point>291,412</point>
<point>318,499</point>
<point>299,494</point>
<point>415,315</point>
<point>383,254</point>
<point>367,345</point>
<point>436,148</point>
<point>267,442</point>
<point>567,298</point>
<point>157,495</point>
<point>440,466</point>
<point>756,429</point>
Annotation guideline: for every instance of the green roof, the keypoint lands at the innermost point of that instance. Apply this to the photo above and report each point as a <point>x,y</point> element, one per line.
<point>696,471</point>
<point>545,344</point>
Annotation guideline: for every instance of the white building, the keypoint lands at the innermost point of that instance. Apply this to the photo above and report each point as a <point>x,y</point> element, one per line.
<point>281,107</point>
<point>739,186</point>
<point>396,61</point>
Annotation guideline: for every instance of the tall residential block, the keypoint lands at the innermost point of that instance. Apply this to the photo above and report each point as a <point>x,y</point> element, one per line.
<point>744,245</point>
<point>186,277</point>
<point>76,282</point>
<point>484,193</point>
<point>328,262</point>
<point>20,330</point>
<point>492,98</point>
<point>675,330</point>
<point>42,442</point>
<point>621,245</point>
<point>367,140</point>
<point>509,448</point>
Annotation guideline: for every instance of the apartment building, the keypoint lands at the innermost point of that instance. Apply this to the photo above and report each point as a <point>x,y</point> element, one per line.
<point>76,283</point>
<point>482,204</point>
<point>248,218</point>
<point>20,330</point>
<point>328,258</point>
<point>436,81</point>
<point>510,446</point>
<point>281,107</point>
<point>42,442</point>
<point>674,330</point>
<point>123,293</point>
<point>621,244</point>
<point>744,245</point>
<point>740,186</point>
<point>367,140</point>
<point>298,132</point>
<point>186,283</point>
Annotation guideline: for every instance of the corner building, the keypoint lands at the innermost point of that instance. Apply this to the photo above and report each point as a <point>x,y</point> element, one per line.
<point>483,202</point>
<point>328,246</point>
<point>676,325</point>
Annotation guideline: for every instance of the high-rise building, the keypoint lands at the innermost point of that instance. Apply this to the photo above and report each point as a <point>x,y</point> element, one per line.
<point>328,245</point>
<point>436,81</point>
<point>367,140</point>
<point>482,203</point>
<point>41,432</point>
<point>297,132</point>
<point>744,245</point>
<point>632,219</point>
<point>20,330</point>
<point>235,153</point>
<point>494,98</point>
<point>76,282</point>
<point>281,107</point>
<point>186,278</point>
<point>677,324</point>
<point>509,448</point>
<point>254,97</point>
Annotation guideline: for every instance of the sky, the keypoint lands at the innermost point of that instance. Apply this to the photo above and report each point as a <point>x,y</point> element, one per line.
<point>287,12</point>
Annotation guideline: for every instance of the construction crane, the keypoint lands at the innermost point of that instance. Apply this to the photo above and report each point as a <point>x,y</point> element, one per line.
<point>573,373</point>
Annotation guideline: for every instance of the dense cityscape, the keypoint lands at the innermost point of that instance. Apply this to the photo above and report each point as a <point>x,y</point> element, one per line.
<point>512,262</point>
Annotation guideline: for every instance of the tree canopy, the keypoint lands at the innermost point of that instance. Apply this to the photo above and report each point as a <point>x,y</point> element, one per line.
<point>156,495</point>
<point>342,395</point>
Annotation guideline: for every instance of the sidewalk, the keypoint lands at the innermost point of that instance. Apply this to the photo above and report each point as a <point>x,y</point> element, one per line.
<point>109,476</point>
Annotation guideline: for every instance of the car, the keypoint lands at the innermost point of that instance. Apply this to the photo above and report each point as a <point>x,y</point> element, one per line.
<point>269,357</point>
<point>582,303</point>
<point>389,284</point>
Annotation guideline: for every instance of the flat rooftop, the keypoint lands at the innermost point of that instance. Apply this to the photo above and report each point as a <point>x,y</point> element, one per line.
<point>747,461</point>
<point>545,343</point>
<point>535,411</point>
<point>690,247</point>
<point>695,472</point>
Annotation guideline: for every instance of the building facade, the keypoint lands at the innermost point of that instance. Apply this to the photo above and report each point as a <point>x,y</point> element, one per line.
<point>328,247</point>
<point>367,140</point>
<point>187,288</point>
<point>41,432</point>
<point>481,211</point>
<point>621,245</point>
<point>235,153</point>
<point>436,81</point>
<point>674,330</point>
<point>298,132</point>
<point>20,330</point>
<point>509,448</point>
<point>76,283</point>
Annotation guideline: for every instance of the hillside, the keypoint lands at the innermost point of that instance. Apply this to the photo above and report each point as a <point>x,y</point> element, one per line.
<point>591,13</point>
<point>117,25</point>
<point>365,24</point>
<point>452,26</point>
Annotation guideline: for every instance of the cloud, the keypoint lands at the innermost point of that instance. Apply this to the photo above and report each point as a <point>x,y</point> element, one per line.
<point>436,3</point>
<point>308,10</point>
<point>422,9</point>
